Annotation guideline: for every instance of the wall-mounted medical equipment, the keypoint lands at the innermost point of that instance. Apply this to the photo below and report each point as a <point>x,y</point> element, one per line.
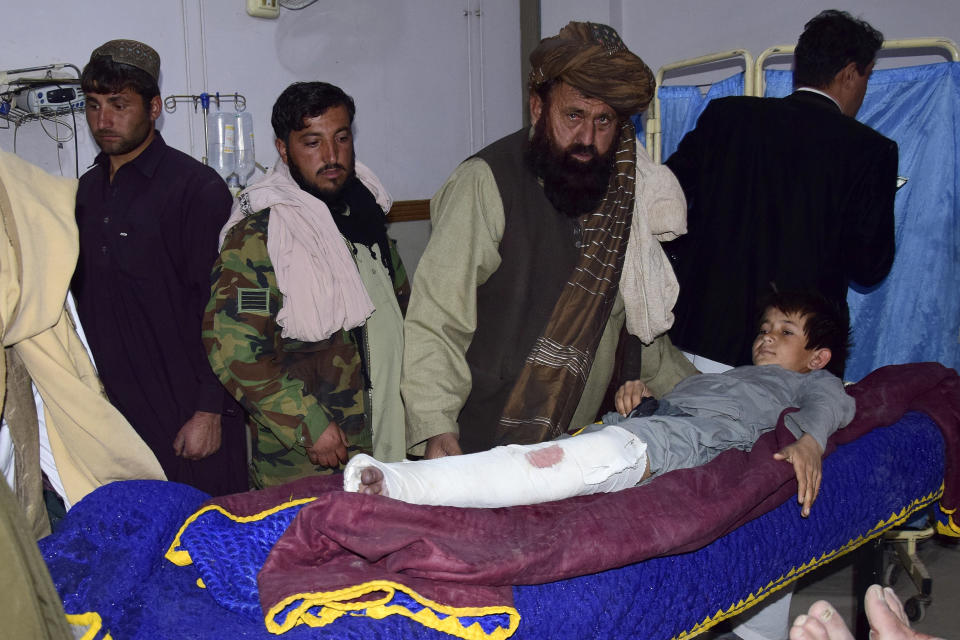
<point>50,97</point>
<point>228,136</point>
<point>26,94</point>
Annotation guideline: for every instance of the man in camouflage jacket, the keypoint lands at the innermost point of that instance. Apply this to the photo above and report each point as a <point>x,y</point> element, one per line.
<point>315,395</point>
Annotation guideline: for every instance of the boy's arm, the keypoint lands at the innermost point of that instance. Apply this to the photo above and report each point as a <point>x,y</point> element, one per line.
<point>806,456</point>
<point>824,407</point>
<point>662,366</point>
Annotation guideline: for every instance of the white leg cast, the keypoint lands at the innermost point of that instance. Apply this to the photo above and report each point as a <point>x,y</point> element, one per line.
<point>602,461</point>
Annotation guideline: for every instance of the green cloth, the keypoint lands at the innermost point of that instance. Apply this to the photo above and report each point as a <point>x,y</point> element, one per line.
<point>30,606</point>
<point>384,334</point>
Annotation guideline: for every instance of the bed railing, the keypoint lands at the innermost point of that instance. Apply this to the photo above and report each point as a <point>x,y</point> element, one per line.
<point>945,44</point>
<point>652,125</point>
<point>754,82</point>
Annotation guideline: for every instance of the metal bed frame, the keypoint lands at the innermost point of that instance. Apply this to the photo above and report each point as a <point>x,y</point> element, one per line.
<point>754,79</point>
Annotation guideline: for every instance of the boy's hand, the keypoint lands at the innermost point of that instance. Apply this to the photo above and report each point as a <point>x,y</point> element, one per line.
<point>806,457</point>
<point>629,395</point>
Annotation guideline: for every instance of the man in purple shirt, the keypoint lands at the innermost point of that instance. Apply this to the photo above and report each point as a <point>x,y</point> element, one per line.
<point>149,217</point>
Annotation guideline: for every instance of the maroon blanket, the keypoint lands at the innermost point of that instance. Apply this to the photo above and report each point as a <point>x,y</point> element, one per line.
<point>472,557</point>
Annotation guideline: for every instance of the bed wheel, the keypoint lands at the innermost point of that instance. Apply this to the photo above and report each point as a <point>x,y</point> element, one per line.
<point>891,573</point>
<point>915,609</point>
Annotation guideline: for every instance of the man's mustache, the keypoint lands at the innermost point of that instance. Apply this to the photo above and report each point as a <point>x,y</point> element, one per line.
<point>582,148</point>
<point>326,167</point>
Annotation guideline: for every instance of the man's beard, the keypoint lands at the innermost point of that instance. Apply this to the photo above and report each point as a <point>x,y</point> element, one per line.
<point>332,198</point>
<point>125,144</point>
<point>572,187</point>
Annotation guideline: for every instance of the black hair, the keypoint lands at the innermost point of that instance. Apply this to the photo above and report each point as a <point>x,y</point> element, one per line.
<point>826,324</point>
<point>303,100</point>
<point>829,42</point>
<point>103,75</point>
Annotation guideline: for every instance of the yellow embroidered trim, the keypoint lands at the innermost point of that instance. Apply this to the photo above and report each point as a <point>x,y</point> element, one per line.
<point>333,608</point>
<point>343,602</point>
<point>91,620</point>
<point>580,430</point>
<point>951,527</point>
<point>775,585</point>
<point>181,557</point>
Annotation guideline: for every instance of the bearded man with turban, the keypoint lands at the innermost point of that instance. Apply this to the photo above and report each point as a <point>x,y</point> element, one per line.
<point>543,244</point>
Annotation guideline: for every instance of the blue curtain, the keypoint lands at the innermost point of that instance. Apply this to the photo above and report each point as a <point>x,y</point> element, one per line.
<point>913,315</point>
<point>637,120</point>
<point>778,83</point>
<point>680,106</point>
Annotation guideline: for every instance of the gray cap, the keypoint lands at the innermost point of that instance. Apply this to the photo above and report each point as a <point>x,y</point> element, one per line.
<point>136,54</point>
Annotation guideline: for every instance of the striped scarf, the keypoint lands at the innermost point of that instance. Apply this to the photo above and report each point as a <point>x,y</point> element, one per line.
<point>549,386</point>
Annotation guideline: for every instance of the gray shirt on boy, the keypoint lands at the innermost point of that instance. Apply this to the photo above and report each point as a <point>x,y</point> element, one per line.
<point>709,413</point>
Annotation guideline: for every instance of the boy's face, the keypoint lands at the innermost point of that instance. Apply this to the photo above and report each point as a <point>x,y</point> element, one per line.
<point>782,340</point>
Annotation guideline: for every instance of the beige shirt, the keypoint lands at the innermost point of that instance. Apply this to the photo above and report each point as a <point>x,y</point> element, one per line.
<point>468,221</point>
<point>385,339</point>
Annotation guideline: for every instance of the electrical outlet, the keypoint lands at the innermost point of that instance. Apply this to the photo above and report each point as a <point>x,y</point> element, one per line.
<point>263,8</point>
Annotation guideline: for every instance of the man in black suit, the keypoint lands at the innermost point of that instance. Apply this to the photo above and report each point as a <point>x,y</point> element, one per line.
<point>791,191</point>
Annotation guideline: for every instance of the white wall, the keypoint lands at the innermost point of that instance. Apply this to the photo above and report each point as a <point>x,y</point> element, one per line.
<point>433,81</point>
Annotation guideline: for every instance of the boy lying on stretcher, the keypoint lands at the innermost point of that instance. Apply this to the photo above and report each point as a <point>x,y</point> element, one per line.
<point>802,338</point>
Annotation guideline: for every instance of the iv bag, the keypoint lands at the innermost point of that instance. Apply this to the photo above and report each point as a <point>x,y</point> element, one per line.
<point>246,159</point>
<point>221,152</point>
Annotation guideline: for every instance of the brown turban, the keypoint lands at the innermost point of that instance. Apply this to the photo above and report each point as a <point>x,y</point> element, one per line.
<point>593,58</point>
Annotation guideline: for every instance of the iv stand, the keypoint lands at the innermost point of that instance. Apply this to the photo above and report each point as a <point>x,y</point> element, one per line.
<point>203,100</point>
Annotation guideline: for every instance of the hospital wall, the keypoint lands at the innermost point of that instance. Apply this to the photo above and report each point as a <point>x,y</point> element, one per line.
<point>434,80</point>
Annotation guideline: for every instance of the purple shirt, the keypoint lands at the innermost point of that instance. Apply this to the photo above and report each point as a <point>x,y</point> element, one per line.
<point>148,240</point>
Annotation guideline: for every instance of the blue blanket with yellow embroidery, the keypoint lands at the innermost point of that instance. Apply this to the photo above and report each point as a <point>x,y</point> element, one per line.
<point>108,559</point>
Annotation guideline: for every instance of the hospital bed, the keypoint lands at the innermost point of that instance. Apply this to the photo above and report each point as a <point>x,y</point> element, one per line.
<point>669,559</point>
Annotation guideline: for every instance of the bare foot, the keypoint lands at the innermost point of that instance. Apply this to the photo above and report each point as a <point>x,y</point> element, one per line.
<point>371,481</point>
<point>821,622</point>
<point>888,621</point>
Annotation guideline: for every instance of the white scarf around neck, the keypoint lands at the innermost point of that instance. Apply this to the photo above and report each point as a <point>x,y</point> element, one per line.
<point>321,287</point>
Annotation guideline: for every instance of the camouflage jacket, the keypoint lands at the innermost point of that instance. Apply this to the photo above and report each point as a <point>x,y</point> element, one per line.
<point>291,389</point>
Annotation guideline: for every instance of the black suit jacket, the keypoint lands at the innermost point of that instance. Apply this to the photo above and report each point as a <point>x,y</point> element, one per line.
<point>783,190</point>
